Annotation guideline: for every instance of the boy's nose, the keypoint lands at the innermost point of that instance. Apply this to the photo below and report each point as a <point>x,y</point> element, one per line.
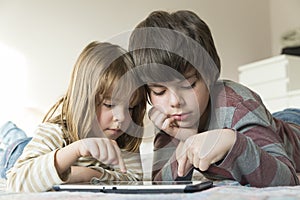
<point>175,100</point>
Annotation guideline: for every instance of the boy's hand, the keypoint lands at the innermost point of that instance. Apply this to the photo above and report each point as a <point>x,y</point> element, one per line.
<point>105,150</point>
<point>186,166</point>
<point>170,125</point>
<point>205,148</point>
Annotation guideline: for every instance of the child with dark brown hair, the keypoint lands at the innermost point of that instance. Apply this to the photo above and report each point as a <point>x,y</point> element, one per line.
<point>218,127</point>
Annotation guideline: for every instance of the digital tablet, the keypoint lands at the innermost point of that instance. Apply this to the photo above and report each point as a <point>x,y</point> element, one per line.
<point>137,187</point>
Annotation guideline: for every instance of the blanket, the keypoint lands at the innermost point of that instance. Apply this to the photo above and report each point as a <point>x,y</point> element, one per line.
<point>222,191</point>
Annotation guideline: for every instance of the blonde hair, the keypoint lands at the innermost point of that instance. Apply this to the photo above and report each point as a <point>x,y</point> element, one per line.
<point>95,75</point>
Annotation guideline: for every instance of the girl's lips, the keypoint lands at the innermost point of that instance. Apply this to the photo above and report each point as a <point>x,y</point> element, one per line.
<point>114,131</point>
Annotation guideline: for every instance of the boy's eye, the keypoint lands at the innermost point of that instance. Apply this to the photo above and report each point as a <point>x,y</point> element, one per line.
<point>157,89</point>
<point>189,86</point>
<point>158,92</point>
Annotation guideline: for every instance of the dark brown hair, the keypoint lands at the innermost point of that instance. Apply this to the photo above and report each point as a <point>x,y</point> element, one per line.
<point>178,40</point>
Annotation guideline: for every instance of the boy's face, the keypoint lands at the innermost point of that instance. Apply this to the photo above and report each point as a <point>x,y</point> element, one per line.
<point>182,100</point>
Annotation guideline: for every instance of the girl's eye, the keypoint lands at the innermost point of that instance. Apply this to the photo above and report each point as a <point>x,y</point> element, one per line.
<point>107,105</point>
<point>131,108</point>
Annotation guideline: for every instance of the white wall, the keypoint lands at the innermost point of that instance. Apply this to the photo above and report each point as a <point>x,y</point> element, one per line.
<point>284,17</point>
<point>48,35</point>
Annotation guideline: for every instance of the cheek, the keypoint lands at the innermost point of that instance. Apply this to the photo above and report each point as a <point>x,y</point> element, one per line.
<point>98,113</point>
<point>128,116</point>
<point>103,117</point>
<point>154,99</point>
<point>100,119</point>
<point>203,100</point>
<point>160,102</point>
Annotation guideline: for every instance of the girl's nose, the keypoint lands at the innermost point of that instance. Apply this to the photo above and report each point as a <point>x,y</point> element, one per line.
<point>118,114</point>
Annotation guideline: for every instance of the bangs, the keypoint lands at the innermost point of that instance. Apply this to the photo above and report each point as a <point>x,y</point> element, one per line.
<point>138,96</point>
<point>172,49</point>
<point>126,89</point>
<point>165,67</point>
<point>118,83</point>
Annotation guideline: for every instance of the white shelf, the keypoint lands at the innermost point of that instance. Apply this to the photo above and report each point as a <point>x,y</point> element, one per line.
<point>275,79</point>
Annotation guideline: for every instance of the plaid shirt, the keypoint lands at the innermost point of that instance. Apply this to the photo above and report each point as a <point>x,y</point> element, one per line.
<point>266,151</point>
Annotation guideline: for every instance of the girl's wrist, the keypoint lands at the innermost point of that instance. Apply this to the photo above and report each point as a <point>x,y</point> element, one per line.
<point>65,157</point>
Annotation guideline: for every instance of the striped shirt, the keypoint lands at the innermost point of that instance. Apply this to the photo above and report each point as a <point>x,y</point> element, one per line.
<point>266,151</point>
<point>35,171</point>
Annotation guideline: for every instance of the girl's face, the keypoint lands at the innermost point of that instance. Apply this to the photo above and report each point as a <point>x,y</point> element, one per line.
<point>114,117</point>
<point>184,101</point>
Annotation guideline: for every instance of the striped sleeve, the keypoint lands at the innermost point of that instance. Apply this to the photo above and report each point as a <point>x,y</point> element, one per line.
<point>35,170</point>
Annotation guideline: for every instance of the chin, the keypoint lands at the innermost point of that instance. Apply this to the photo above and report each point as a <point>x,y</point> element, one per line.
<point>182,137</point>
<point>183,124</point>
<point>113,136</point>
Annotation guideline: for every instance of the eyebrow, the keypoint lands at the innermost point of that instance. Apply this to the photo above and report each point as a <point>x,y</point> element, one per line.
<point>154,85</point>
<point>161,86</point>
<point>191,76</point>
<point>109,98</point>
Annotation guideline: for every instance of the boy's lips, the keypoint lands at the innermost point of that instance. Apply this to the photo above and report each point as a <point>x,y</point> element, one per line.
<point>180,117</point>
<point>115,129</point>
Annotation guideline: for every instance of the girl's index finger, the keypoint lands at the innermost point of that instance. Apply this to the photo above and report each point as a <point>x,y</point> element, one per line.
<point>122,165</point>
<point>121,162</point>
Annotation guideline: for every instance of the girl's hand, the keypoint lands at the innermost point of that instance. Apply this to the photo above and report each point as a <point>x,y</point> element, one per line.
<point>170,125</point>
<point>204,149</point>
<point>105,150</point>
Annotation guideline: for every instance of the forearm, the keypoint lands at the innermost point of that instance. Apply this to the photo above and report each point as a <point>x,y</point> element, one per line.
<point>82,174</point>
<point>257,167</point>
<point>65,158</point>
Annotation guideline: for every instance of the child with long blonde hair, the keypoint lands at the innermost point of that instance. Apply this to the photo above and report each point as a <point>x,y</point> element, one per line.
<point>94,130</point>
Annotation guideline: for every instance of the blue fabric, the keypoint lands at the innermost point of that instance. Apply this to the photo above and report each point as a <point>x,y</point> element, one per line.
<point>9,133</point>
<point>291,115</point>
<point>12,153</point>
<point>12,140</point>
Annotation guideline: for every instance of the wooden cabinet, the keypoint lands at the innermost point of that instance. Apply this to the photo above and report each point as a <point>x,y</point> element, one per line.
<point>276,80</point>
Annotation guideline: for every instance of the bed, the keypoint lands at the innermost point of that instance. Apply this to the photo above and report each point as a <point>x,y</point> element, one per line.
<point>225,191</point>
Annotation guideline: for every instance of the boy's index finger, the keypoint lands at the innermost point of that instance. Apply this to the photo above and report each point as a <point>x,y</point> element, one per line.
<point>181,164</point>
<point>150,112</point>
